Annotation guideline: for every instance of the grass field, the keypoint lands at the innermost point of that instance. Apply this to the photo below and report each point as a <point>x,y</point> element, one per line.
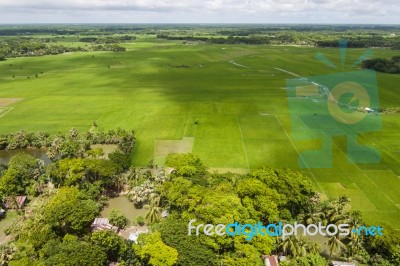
<point>229,102</point>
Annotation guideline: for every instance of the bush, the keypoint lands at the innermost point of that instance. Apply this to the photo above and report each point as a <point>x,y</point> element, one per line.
<point>121,160</point>
<point>117,218</point>
<point>140,220</point>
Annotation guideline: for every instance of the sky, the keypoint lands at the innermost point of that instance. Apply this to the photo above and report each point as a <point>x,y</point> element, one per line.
<point>197,11</point>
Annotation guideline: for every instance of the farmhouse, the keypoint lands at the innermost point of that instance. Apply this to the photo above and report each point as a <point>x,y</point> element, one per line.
<point>270,260</point>
<point>16,202</point>
<point>102,224</point>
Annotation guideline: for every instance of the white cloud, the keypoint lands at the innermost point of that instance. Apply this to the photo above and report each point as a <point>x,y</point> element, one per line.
<point>235,11</point>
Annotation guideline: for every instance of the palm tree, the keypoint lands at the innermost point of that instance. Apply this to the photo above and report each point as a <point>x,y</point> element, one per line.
<point>153,214</point>
<point>291,246</point>
<point>120,182</point>
<point>311,218</point>
<point>336,211</point>
<point>335,245</point>
<point>313,248</point>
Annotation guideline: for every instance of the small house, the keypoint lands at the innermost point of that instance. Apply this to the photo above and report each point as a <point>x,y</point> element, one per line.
<point>270,260</point>
<point>102,224</point>
<point>16,202</point>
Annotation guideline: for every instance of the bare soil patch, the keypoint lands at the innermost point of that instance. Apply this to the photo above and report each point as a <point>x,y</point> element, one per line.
<point>9,101</point>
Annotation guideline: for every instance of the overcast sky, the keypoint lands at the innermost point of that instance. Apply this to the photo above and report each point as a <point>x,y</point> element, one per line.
<point>197,11</point>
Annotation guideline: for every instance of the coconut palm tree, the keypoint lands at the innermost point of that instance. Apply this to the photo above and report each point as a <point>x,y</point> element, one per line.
<point>290,246</point>
<point>313,248</point>
<point>335,245</point>
<point>336,211</point>
<point>153,214</point>
<point>311,218</point>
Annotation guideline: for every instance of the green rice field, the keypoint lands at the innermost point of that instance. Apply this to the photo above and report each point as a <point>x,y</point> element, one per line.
<point>225,103</point>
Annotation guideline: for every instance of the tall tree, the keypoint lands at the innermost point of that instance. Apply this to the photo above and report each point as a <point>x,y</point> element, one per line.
<point>335,245</point>
<point>152,250</point>
<point>69,211</point>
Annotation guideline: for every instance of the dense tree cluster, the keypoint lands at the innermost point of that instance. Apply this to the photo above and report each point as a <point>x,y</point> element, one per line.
<point>23,46</point>
<point>70,145</point>
<point>18,47</point>
<point>55,229</point>
<point>22,176</point>
<point>391,66</point>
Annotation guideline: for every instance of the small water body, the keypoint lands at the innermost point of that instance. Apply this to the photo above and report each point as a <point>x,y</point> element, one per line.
<point>125,206</point>
<point>6,155</point>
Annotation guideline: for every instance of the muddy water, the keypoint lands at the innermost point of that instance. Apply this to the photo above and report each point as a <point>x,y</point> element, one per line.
<point>5,155</point>
<point>124,205</point>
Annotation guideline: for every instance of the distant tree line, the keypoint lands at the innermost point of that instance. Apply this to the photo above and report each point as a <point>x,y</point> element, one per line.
<point>220,40</point>
<point>108,39</point>
<point>391,66</point>
<point>364,42</point>
<point>286,37</point>
<point>20,47</point>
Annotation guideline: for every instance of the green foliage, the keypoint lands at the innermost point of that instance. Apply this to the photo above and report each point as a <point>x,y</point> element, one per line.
<point>152,250</point>
<point>245,254</point>
<point>117,218</point>
<point>68,211</point>
<point>68,172</point>
<point>386,246</point>
<point>174,233</point>
<point>70,145</point>
<point>153,215</point>
<point>121,160</point>
<point>23,170</point>
<point>260,200</point>
<point>383,65</point>
<point>140,220</point>
<point>187,165</point>
<point>95,153</point>
<point>295,188</point>
<point>72,251</point>
<point>100,169</point>
<point>112,244</point>
<point>83,172</point>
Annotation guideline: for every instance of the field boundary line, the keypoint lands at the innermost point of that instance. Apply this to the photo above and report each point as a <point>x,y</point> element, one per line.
<point>288,72</point>
<point>367,177</point>
<point>8,109</point>
<point>358,187</point>
<point>244,146</point>
<point>184,131</point>
<point>370,180</point>
<point>237,64</point>
<point>297,151</point>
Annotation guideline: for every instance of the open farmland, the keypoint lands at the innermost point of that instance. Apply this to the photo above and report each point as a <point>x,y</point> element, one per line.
<point>225,103</point>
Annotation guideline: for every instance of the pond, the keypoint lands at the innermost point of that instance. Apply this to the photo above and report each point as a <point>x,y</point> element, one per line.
<point>125,206</point>
<point>5,155</point>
